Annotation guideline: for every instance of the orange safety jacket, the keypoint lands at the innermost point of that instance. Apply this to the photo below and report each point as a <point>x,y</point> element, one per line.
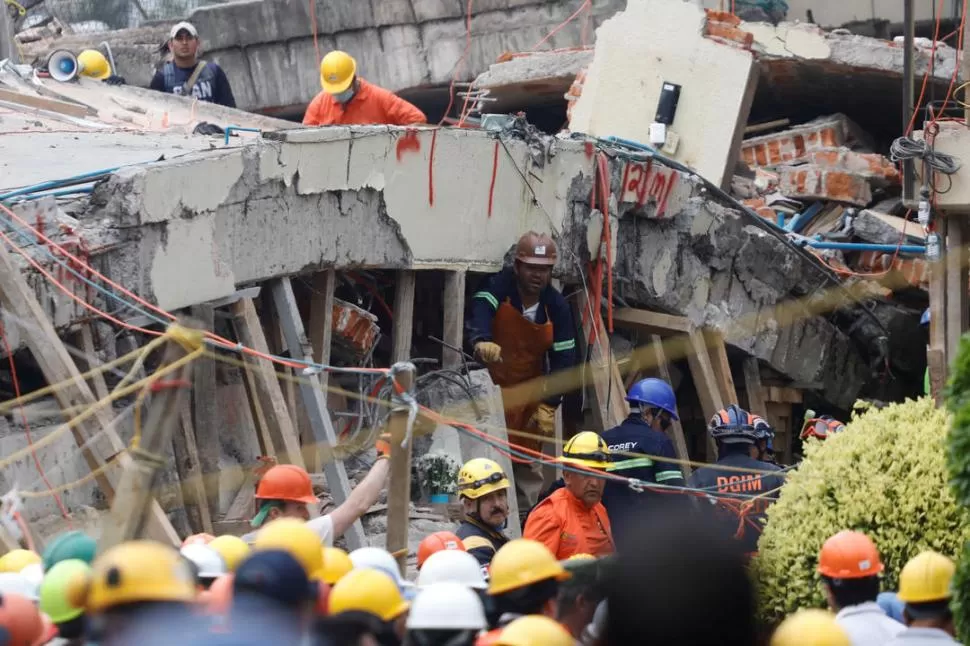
<point>371,105</point>
<point>564,524</point>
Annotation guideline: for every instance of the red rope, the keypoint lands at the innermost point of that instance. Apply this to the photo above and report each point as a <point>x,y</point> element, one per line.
<point>491,186</point>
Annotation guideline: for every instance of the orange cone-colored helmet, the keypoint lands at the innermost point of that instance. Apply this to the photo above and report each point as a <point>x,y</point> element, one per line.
<point>536,249</point>
<point>21,620</point>
<point>286,482</point>
<point>435,543</point>
<point>849,555</point>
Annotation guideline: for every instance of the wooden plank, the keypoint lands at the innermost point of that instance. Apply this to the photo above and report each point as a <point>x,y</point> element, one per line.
<point>85,339</point>
<point>783,395</point>
<point>781,418</point>
<point>58,367</point>
<point>722,367</point>
<point>263,435</point>
<point>190,472</point>
<point>652,322</point>
<point>938,297</point>
<point>249,331</point>
<point>937,367</point>
<point>205,414</point>
<point>757,397</point>
<point>453,305</point>
<point>706,383</point>
<point>243,506</point>
<point>316,405</point>
<point>609,399</point>
<point>399,489</point>
<point>676,429</point>
<point>41,103</point>
<point>957,279</point>
<point>322,287</point>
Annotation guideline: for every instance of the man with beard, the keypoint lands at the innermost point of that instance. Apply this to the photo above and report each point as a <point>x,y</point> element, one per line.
<point>573,520</point>
<point>483,489</point>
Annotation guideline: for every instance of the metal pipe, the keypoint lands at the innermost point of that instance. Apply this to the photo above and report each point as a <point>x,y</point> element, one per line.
<point>865,246</point>
<point>908,81</point>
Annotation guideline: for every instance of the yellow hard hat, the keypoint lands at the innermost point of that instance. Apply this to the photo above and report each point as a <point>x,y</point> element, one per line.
<point>292,535</point>
<point>134,572</point>
<point>93,64</point>
<point>337,70</point>
<point>232,549</point>
<point>534,630</point>
<point>367,590</point>
<point>16,560</point>
<point>587,449</point>
<point>810,628</point>
<point>336,564</point>
<point>480,477</point>
<point>926,578</point>
<point>522,562</point>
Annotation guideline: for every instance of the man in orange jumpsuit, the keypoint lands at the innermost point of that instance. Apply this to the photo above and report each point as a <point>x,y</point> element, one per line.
<point>521,327</point>
<point>573,520</point>
<point>348,100</point>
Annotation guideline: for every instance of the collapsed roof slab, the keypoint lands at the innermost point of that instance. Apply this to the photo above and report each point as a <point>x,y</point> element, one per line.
<point>195,229</point>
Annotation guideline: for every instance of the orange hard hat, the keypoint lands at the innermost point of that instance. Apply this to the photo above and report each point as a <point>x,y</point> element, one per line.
<point>219,598</point>
<point>198,539</point>
<point>849,555</point>
<point>21,620</point>
<point>435,543</point>
<point>536,249</point>
<point>286,482</point>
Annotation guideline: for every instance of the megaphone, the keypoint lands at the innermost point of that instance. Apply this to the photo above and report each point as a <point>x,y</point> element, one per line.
<point>63,65</point>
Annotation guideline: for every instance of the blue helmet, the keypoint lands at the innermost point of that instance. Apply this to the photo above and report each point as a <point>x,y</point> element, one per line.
<point>733,425</point>
<point>655,393</point>
<point>925,318</point>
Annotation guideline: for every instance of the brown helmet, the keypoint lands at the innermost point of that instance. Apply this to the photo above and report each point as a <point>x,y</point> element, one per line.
<point>536,249</point>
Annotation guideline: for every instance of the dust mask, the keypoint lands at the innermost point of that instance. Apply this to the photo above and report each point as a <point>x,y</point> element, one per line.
<point>345,96</point>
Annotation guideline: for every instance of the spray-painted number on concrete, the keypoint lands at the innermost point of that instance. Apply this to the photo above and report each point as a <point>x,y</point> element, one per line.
<point>644,181</point>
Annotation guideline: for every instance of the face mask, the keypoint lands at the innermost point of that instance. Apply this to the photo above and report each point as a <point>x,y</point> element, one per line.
<point>345,96</point>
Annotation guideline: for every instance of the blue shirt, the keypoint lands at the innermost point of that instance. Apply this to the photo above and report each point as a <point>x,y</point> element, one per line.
<point>211,86</point>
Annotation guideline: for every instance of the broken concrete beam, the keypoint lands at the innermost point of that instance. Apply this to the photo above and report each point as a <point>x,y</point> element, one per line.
<point>881,228</point>
<point>808,182</point>
<point>872,165</point>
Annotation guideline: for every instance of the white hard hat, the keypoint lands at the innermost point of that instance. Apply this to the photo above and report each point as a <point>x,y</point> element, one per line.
<point>452,566</point>
<point>207,561</point>
<point>446,606</point>
<point>18,583</point>
<point>376,558</point>
<point>34,573</point>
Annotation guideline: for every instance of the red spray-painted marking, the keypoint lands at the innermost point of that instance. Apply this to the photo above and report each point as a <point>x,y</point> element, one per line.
<point>589,149</point>
<point>434,140</point>
<point>491,187</point>
<point>408,142</point>
<point>642,181</point>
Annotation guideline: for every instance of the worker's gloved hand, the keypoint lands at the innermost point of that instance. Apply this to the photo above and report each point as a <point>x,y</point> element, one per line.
<point>383,446</point>
<point>114,79</point>
<point>488,352</point>
<point>206,128</point>
<point>544,419</point>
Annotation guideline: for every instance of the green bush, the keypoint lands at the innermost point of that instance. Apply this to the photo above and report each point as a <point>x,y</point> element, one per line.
<point>886,476</point>
<point>958,463</point>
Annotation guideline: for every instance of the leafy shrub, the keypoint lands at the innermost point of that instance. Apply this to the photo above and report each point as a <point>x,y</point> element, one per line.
<point>885,475</point>
<point>958,463</point>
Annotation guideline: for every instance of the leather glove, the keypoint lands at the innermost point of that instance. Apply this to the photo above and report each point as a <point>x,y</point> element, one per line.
<point>544,419</point>
<point>114,79</point>
<point>383,446</point>
<point>489,352</point>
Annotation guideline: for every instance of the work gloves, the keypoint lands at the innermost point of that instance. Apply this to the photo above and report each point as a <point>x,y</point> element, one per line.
<point>488,352</point>
<point>544,419</point>
<point>383,446</point>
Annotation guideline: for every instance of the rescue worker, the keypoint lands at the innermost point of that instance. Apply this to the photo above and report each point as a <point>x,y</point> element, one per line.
<point>925,586</point>
<point>518,323</point>
<point>20,622</point>
<point>810,628</point>
<point>849,564</point>
<point>525,579</point>
<point>764,448</point>
<point>435,543</point>
<point>820,427</point>
<point>347,99</point>
<point>580,595</point>
<point>572,520</point>
<point>445,614</point>
<point>653,408</point>
<point>16,560</point>
<point>206,563</point>
<point>371,598</point>
<point>534,630</point>
<point>232,549</point>
<point>67,618</point>
<point>272,589</point>
<point>737,478</point>
<point>483,489</point>
<point>452,566</point>
<point>377,558</point>
<point>296,538</point>
<point>185,75</point>
<point>69,545</point>
<point>336,564</point>
<point>285,490</point>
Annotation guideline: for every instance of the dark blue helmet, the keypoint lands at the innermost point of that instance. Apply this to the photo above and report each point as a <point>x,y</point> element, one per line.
<point>732,425</point>
<point>654,393</point>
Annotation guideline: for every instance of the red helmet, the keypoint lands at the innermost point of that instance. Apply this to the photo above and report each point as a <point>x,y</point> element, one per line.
<point>435,543</point>
<point>286,482</point>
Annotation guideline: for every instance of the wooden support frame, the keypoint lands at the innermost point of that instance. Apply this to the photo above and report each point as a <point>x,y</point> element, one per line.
<point>453,304</point>
<point>191,477</point>
<point>722,367</point>
<point>676,430</point>
<point>652,322</point>
<point>609,399</point>
<point>85,341</point>
<point>205,415</point>
<point>705,380</point>
<point>316,405</point>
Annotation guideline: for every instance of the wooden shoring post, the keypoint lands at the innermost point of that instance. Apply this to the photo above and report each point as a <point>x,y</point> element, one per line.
<point>191,477</point>
<point>269,394</point>
<point>780,416</point>
<point>399,489</point>
<point>205,414</point>
<point>324,435</point>
<point>937,359</point>
<point>130,508</point>
<point>721,365</point>
<point>757,397</point>
<point>263,435</point>
<point>676,429</point>
<point>453,304</point>
<point>609,399</point>
<point>85,341</point>
<point>320,334</point>
<point>706,383</point>
<point>58,367</point>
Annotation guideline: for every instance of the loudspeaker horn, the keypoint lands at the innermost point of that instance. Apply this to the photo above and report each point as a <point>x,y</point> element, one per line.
<point>63,65</point>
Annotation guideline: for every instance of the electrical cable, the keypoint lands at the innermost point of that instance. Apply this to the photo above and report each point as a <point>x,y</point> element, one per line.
<point>906,149</point>
<point>587,4</point>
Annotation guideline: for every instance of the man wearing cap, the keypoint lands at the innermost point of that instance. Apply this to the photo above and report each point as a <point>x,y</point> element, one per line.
<point>521,328</point>
<point>185,75</point>
<point>926,587</point>
<point>347,99</point>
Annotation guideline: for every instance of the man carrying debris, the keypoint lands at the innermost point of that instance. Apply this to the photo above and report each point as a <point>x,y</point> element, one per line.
<point>185,75</point>
<point>347,99</point>
<point>483,488</point>
<point>285,491</point>
<point>518,324</point>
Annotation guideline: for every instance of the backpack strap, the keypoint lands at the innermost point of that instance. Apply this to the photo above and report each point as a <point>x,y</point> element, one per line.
<point>192,80</point>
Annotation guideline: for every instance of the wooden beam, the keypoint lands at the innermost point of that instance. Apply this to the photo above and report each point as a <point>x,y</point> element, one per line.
<point>263,435</point>
<point>205,414</point>
<point>399,489</point>
<point>781,418</point>
<point>322,287</point>
<point>249,331</point>
<point>676,429</point>
<point>938,308</point>
<point>56,364</point>
<point>190,472</point>
<point>51,105</point>
<point>757,397</point>
<point>85,341</point>
<point>453,305</point>
<point>609,399</point>
<point>783,395</point>
<point>706,383</point>
<point>315,400</point>
<point>721,365</point>
<point>652,322</point>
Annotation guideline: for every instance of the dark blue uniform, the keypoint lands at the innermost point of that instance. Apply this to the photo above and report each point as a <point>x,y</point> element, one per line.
<point>480,540</point>
<point>211,85</point>
<point>735,487</point>
<point>636,436</point>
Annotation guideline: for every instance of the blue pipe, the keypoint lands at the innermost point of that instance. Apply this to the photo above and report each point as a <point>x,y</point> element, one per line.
<point>231,129</point>
<point>865,246</point>
<point>59,193</point>
<point>59,183</point>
